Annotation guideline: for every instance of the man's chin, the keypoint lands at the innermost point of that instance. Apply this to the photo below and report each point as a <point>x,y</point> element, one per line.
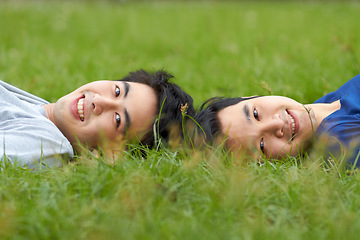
<point>80,148</point>
<point>307,147</point>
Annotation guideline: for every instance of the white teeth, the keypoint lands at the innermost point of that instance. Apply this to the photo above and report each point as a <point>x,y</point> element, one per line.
<point>292,125</point>
<point>80,108</point>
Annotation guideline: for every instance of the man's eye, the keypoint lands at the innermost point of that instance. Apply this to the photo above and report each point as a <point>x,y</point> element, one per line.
<point>262,148</point>
<point>256,114</point>
<point>118,120</point>
<point>117,91</point>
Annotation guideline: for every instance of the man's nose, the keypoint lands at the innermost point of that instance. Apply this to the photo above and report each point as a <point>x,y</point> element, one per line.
<point>101,104</point>
<point>274,125</point>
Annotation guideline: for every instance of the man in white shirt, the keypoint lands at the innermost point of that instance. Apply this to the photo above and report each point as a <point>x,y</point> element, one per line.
<point>37,133</point>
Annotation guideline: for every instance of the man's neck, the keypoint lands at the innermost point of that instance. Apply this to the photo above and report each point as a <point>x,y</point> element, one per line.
<point>322,110</point>
<point>49,111</point>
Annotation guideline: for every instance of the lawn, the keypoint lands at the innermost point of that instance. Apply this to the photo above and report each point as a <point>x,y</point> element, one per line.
<point>298,49</point>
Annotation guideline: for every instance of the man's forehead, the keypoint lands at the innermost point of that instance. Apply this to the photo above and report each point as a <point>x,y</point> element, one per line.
<point>142,109</point>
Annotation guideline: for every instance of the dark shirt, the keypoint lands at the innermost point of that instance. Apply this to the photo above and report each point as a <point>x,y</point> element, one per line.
<point>342,127</point>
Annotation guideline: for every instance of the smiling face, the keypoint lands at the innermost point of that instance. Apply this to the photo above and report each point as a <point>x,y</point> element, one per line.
<point>272,125</point>
<point>105,111</point>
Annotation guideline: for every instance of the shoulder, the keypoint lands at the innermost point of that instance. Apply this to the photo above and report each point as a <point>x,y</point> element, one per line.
<point>350,87</point>
<point>18,94</point>
<point>32,142</point>
<point>353,85</point>
<point>342,127</point>
<point>45,132</point>
<point>340,136</point>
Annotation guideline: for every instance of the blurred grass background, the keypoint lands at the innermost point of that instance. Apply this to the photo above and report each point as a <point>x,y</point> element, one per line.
<point>298,49</point>
<point>301,50</point>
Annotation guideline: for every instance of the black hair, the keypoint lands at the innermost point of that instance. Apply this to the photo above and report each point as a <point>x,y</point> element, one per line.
<point>170,99</point>
<point>207,116</point>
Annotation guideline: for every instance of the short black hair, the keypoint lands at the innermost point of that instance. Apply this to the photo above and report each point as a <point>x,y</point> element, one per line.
<point>207,116</point>
<point>170,99</point>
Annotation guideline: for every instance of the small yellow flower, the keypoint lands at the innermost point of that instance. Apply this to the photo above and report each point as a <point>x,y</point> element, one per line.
<point>183,109</point>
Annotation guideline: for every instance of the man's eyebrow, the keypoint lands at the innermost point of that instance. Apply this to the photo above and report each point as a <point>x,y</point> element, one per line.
<point>127,122</point>
<point>127,88</point>
<point>246,111</point>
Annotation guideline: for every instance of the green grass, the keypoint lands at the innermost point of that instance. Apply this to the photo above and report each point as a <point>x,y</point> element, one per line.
<point>301,50</point>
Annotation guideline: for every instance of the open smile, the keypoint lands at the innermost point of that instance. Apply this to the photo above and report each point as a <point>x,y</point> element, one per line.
<point>77,108</point>
<point>80,108</point>
<point>293,124</point>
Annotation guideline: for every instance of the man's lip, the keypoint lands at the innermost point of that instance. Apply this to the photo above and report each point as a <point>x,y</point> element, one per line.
<point>296,120</point>
<point>73,107</point>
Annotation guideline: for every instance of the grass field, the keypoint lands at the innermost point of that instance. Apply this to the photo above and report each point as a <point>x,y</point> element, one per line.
<point>301,50</point>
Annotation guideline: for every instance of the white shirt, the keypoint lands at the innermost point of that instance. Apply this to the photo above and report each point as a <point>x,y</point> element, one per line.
<point>27,136</point>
